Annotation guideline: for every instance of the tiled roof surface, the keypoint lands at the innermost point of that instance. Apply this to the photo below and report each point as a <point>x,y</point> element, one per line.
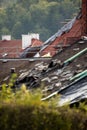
<point>65,38</point>
<point>13,48</point>
<point>36,43</point>
<point>74,33</point>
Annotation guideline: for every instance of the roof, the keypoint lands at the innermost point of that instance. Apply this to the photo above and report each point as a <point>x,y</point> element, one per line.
<point>70,81</point>
<point>36,43</point>
<point>13,48</point>
<point>68,34</point>
<point>52,77</point>
<point>32,50</point>
<point>63,37</point>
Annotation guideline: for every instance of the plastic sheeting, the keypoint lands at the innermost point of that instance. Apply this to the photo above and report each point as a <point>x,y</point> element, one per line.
<point>65,28</point>
<point>74,93</point>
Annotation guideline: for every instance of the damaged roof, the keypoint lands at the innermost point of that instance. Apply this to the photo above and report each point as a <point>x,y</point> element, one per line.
<point>65,73</point>
<point>53,73</point>
<point>68,34</point>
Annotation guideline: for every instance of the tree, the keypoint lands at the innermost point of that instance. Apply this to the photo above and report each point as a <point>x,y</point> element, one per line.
<point>17,30</point>
<point>40,16</point>
<point>5,31</point>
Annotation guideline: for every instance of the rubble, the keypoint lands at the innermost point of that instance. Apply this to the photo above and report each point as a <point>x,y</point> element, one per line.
<point>58,84</point>
<point>6,78</point>
<point>46,79</point>
<point>52,73</point>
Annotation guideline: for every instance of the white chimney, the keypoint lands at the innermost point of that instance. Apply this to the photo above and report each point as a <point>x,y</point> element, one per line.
<point>26,41</point>
<point>34,35</point>
<point>6,37</point>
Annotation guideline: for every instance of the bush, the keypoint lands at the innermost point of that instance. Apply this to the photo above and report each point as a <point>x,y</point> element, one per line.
<point>24,110</point>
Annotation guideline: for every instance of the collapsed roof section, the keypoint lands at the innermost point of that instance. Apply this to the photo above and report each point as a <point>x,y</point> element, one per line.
<point>56,74</point>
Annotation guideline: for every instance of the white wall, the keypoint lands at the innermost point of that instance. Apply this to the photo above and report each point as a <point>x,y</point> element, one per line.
<point>26,41</point>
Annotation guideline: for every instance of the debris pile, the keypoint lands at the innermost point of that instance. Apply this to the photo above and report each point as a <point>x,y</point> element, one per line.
<point>66,76</point>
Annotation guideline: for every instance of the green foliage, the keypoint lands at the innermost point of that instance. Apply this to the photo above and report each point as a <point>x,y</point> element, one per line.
<point>41,16</point>
<point>24,110</point>
<point>12,79</point>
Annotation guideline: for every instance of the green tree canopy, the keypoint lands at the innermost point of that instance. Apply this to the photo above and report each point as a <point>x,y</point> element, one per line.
<point>40,16</point>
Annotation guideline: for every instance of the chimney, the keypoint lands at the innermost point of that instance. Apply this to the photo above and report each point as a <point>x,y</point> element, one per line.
<point>84,16</point>
<point>26,41</point>
<point>6,37</point>
<point>34,35</point>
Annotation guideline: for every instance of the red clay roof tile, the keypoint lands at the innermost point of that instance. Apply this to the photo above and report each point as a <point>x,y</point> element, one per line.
<point>13,48</point>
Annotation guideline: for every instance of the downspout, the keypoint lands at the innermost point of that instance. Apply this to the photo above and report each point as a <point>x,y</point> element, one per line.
<point>80,75</point>
<point>74,57</point>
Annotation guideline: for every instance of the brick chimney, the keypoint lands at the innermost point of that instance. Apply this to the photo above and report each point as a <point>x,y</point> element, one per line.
<point>84,17</point>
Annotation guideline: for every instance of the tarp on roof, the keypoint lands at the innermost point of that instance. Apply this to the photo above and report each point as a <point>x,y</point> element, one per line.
<point>74,93</point>
<point>64,29</point>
